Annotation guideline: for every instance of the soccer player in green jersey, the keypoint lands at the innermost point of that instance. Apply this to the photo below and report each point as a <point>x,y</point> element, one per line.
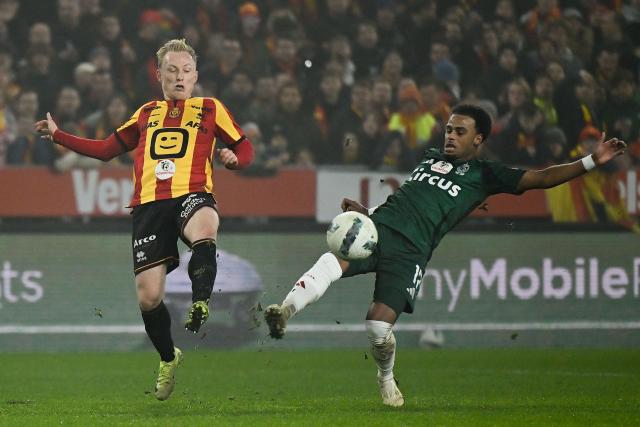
<point>442,190</point>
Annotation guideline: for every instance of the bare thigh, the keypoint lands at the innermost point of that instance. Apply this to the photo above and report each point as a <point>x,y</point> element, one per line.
<point>203,224</point>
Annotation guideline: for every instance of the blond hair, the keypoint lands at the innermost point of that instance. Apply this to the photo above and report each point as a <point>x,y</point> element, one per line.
<point>175,45</point>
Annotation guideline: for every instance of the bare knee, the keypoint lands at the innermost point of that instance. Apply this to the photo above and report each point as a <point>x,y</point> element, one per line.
<point>381,312</point>
<point>150,288</point>
<point>148,299</point>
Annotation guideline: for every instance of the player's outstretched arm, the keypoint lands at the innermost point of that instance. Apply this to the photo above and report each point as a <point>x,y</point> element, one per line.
<point>556,175</point>
<point>101,149</point>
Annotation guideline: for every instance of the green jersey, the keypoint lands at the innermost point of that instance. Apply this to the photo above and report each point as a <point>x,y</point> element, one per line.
<point>439,194</point>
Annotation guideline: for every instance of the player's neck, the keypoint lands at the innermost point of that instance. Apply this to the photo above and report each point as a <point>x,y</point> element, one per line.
<point>466,158</point>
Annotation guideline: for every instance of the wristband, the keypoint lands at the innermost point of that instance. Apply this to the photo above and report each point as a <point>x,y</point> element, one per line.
<point>588,162</point>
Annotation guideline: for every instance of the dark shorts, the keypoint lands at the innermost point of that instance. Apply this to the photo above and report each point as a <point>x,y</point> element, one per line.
<point>399,267</point>
<point>158,225</point>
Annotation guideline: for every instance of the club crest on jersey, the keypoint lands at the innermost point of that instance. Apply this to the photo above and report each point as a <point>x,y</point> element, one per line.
<point>174,113</point>
<point>462,169</point>
<point>165,169</point>
<point>442,167</point>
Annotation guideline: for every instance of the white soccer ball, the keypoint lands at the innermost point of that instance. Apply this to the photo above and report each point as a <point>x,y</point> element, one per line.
<point>352,235</point>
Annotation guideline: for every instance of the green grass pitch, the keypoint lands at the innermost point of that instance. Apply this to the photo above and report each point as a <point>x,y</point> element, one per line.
<point>511,387</point>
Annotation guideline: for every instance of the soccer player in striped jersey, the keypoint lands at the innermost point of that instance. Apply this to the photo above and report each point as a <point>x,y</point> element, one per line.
<point>443,189</point>
<point>174,144</point>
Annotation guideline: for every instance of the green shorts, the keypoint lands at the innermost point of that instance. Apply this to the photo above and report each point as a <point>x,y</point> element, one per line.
<point>399,266</point>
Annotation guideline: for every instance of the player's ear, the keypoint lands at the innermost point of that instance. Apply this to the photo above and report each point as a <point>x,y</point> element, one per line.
<point>158,73</point>
<point>196,75</point>
<point>477,140</point>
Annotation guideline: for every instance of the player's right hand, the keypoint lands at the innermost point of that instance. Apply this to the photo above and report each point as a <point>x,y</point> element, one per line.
<point>352,205</point>
<point>47,127</point>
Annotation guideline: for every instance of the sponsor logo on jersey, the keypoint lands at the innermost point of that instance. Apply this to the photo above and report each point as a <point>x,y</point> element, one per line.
<point>462,169</point>
<point>190,204</point>
<point>174,113</point>
<point>144,241</point>
<point>442,167</point>
<point>165,169</point>
<point>141,256</point>
<point>435,180</point>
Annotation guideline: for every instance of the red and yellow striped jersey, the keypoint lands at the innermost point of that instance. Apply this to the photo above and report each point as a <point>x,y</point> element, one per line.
<point>174,145</point>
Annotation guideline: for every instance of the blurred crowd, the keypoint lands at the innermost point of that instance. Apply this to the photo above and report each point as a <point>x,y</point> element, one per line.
<point>348,82</point>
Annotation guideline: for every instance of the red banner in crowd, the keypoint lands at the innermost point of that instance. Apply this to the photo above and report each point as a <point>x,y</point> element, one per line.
<point>301,193</point>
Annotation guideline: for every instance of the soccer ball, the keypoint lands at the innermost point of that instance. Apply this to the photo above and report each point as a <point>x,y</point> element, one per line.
<point>352,235</point>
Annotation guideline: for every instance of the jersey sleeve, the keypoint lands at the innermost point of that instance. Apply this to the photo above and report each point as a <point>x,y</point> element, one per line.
<point>128,134</point>
<point>226,127</point>
<point>499,178</point>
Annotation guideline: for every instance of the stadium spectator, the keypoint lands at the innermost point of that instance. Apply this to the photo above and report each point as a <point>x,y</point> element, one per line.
<point>121,52</point>
<point>340,51</point>
<point>501,73</point>
<point>285,59</point>
<point>8,129</point>
<point>543,98</point>
<point>226,62</point>
<point>262,106</point>
<point>268,157</point>
<point>38,74</point>
<point>621,114</point>
<point>522,140</point>
<point>255,55</point>
<point>482,56</point>
<point>13,19</point>
<point>514,95</point>
<point>435,101</point>
<point>504,11</point>
<point>107,120</point>
<point>555,71</point>
<point>83,76</point>
<point>392,69</point>
<point>367,55</point>
<point>298,126</point>
<point>238,94</point>
<point>27,105</point>
<point>339,19</point>
<point>359,104</point>
<point>576,102</point>
<point>150,33</point>
<point>39,36</point>
<point>100,57</point>
<point>71,41</point>
<point>382,99</point>
<point>411,120</point>
<point>386,21</point>
<point>606,66</point>
<point>535,20</point>
<point>581,37</point>
<point>29,148</point>
<point>327,110</point>
<point>68,105</point>
<point>419,24</point>
<point>102,88</point>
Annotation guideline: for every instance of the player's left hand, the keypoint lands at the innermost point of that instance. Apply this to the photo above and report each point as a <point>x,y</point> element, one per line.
<point>352,205</point>
<point>607,150</point>
<point>228,158</point>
